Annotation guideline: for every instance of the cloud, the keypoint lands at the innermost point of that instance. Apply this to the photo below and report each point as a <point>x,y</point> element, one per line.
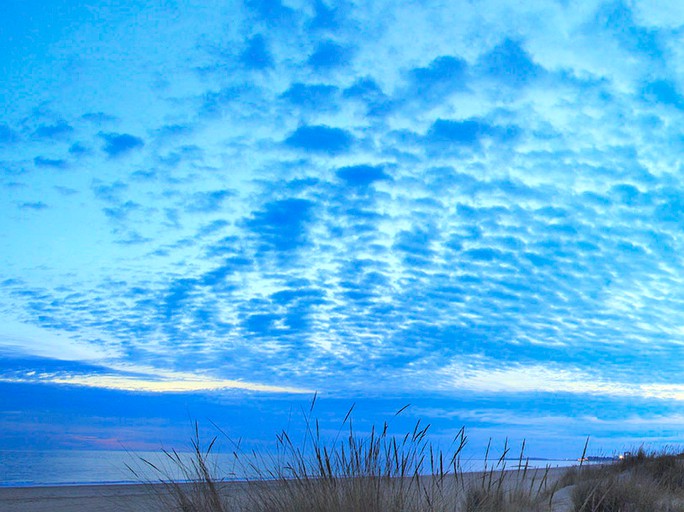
<point>53,131</point>
<point>459,133</point>
<point>281,225</point>
<point>618,18</point>
<point>78,149</point>
<point>510,64</point>
<point>553,379</point>
<point>98,117</point>
<point>141,379</point>
<point>20,339</point>
<point>368,91</point>
<point>174,130</point>
<point>256,54</point>
<point>326,18</point>
<point>664,92</point>
<point>315,96</point>
<point>444,75</point>
<point>117,144</point>
<point>469,133</point>
<point>272,12</point>
<point>321,139</point>
<point>209,201</point>
<point>110,192</point>
<point>55,163</point>
<point>362,175</point>
<point>330,55</point>
<point>121,211</point>
<point>38,205</point>
<point>7,135</point>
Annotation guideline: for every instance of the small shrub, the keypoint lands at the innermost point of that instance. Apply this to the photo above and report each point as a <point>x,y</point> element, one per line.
<point>623,493</point>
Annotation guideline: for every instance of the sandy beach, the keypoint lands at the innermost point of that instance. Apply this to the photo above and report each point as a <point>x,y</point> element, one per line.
<point>142,498</point>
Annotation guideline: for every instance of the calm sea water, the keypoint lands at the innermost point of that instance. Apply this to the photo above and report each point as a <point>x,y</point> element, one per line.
<point>63,467</point>
<point>69,467</point>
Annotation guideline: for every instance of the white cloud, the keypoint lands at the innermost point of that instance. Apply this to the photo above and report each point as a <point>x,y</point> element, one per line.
<point>25,340</point>
<point>147,379</point>
<point>540,378</point>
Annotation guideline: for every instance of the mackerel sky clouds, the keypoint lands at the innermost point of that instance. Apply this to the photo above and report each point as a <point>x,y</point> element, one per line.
<point>475,207</point>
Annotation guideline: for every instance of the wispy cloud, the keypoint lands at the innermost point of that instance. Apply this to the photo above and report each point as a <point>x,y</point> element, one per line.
<point>158,382</point>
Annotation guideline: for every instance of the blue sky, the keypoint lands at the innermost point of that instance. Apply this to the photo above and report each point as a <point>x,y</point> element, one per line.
<point>214,209</point>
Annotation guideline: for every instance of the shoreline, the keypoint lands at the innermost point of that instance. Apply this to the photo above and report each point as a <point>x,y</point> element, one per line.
<point>134,497</point>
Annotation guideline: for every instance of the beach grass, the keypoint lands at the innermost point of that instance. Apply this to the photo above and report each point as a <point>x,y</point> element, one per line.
<point>643,482</point>
<point>375,472</point>
<point>384,472</point>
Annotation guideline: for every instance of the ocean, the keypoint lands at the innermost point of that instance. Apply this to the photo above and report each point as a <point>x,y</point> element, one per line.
<point>71,467</point>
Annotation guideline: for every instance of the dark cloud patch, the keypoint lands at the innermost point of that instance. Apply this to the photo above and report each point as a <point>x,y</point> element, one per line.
<point>416,246</point>
<point>271,12</point>
<point>514,188</point>
<point>311,296</point>
<point>174,130</point>
<point>98,117</point>
<point>362,175</point>
<point>256,55</point>
<point>330,55</point>
<point>8,135</point>
<point>326,17</point>
<point>298,185</point>
<point>78,149</point>
<point>484,254</point>
<point>363,281</point>
<point>213,227</point>
<point>321,139</point>
<point>539,260</point>
<point>117,144</point>
<point>228,246</point>
<point>53,131</point>
<point>209,201</point>
<point>618,18</point>
<point>469,133</point>
<point>316,96</point>
<point>511,64</point>
<point>65,191</point>
<point>460,133</point>
<point>121,211</point>
<point>671,208</point>
<point>629,195</point>
<point>214,102</point>
<point>177,297</point>
<point>37,205</point>
<point>109,192</point>
<point>262,324</point>
<point>594,199</point>
<point>218,278</point>
<point>184,153</point>
<point>664,92</point>
<point>281,225</point>
<point>368,91</point>
<point>55,163</point>
<point>552,212</point>
<point>443,75</point>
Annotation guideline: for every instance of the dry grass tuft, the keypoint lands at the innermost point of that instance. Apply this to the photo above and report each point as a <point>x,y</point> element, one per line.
<point>645,482</point>
<point>377,472</point>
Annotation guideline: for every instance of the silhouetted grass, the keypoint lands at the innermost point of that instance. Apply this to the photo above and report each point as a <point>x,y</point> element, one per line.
<point>376,472</point>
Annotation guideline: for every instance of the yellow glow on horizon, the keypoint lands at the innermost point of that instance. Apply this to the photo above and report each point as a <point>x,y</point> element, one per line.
<point>168,383</point>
